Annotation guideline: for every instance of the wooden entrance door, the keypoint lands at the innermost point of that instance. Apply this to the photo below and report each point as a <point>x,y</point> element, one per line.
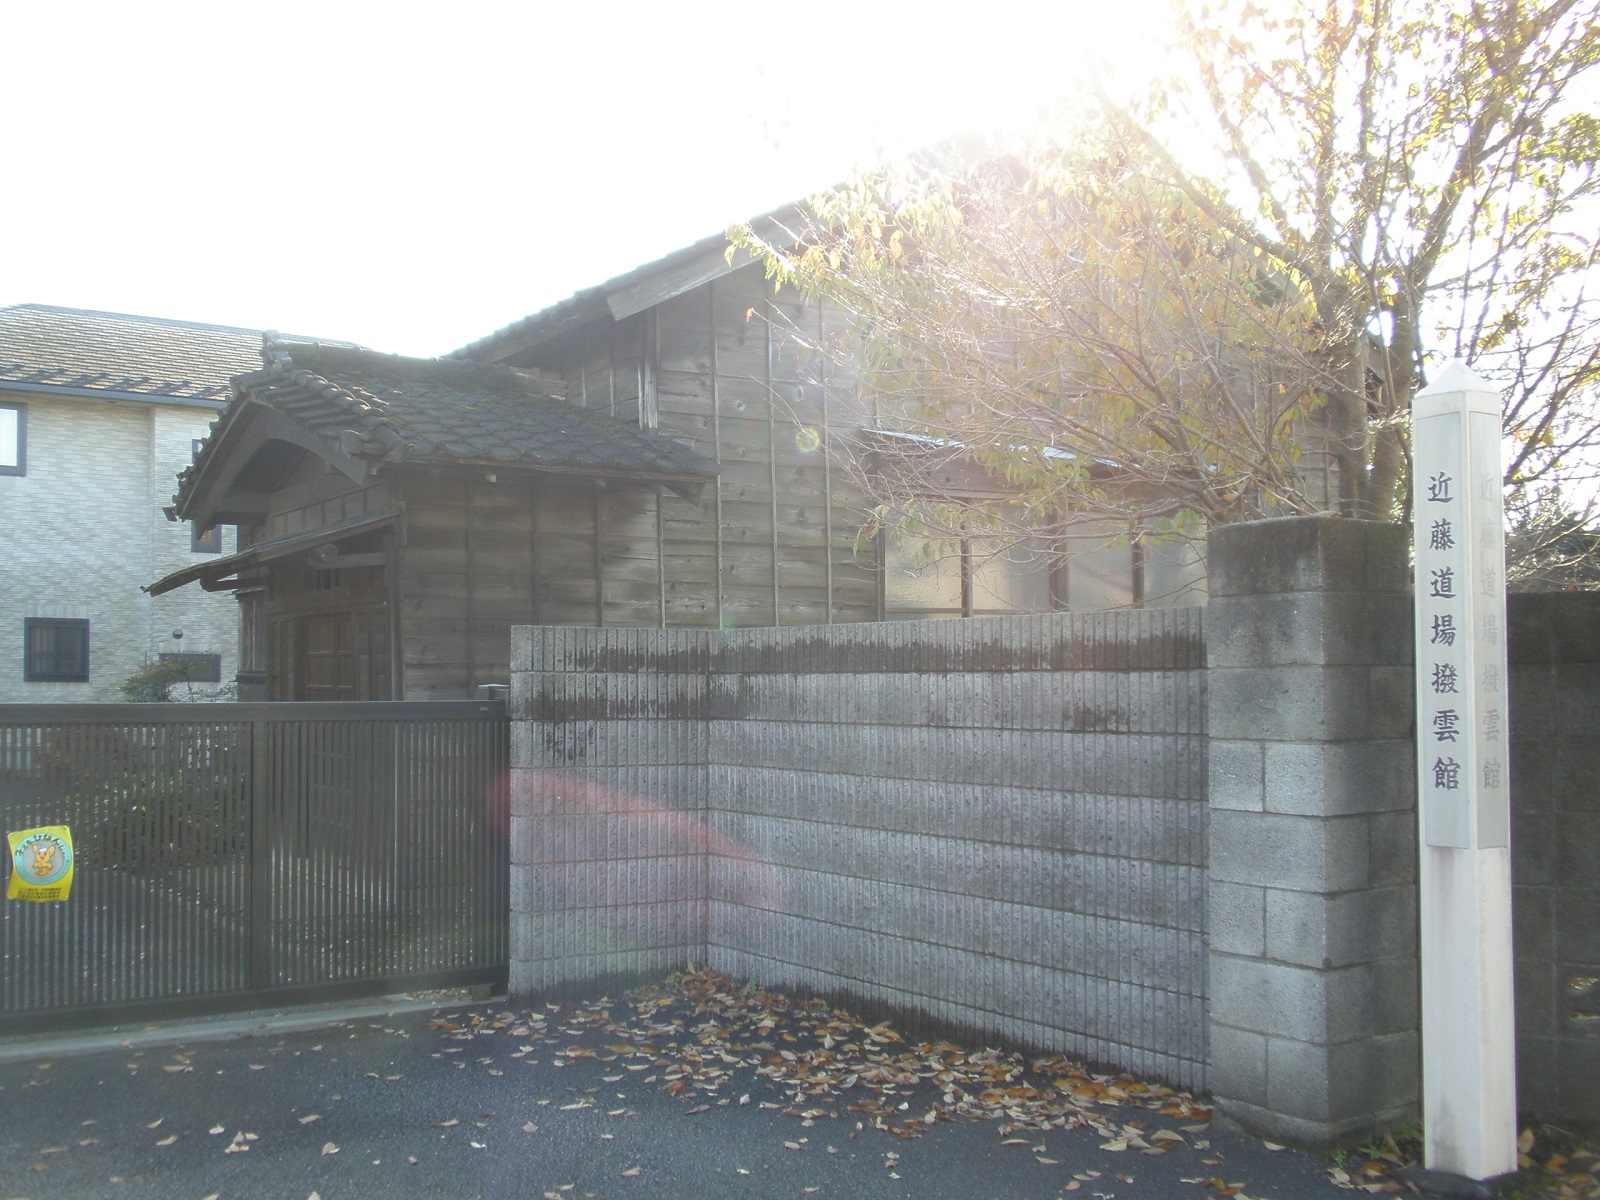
<point>330,656</point>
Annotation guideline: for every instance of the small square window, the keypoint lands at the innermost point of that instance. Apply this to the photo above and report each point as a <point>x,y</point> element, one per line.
<point>202,668</point>
<point>13,439</point>
<point>55,650</point>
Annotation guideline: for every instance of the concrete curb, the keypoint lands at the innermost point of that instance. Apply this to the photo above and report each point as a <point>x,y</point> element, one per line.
<point>228,1026</point>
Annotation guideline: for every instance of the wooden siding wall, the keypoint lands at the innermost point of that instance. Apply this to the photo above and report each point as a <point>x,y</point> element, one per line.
<point>481,556</point>
<point>319,634</point>
<point>465,575</point>
<point>316,498</point>
<point>772,541</point>
<point>606,374</point>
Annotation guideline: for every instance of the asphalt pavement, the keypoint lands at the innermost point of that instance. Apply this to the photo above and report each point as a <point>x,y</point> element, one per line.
<point>665,1097</point>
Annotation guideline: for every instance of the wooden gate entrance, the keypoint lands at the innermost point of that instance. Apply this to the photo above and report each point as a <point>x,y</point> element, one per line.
<point>247,855</point>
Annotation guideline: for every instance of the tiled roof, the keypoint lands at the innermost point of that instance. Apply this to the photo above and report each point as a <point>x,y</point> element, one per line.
<point>435,410</point>
<point>45,346</point>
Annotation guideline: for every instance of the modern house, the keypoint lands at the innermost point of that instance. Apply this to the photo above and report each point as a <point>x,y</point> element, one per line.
<point>667,449</point>
<point>98,414</point>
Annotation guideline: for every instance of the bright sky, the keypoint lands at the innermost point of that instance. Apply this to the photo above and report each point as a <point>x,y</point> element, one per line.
<point>414,178</point>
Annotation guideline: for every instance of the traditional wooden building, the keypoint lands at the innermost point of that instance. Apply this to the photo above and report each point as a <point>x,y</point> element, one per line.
<point>700,346</point>
<point>397,516</point>
<point>670,448</point>
<point>704,351</point>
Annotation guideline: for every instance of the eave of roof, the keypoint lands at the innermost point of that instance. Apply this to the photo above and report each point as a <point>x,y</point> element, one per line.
<point>112,397</point>
<point>930,442</point>
<point>630,292</point>
<point>216,569</point>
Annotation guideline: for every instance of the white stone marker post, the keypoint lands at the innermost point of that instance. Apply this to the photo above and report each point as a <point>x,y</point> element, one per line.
<point>1463,780</point>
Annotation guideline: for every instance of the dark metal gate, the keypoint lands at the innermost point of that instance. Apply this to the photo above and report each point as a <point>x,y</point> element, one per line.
<point>245,855</point>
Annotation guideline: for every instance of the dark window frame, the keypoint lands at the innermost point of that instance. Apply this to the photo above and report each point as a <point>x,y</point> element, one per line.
<point>20,467</point>
<point>37,671</point>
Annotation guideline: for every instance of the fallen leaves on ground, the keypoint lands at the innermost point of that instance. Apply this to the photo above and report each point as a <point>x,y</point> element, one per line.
<point>1373,1167</point>
<point>1554,1161</point>
<point>698,1033</point>
<point>1552,1166</point>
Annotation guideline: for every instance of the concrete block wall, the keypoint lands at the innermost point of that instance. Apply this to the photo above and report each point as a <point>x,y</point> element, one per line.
<point>1311,931</point>
<point>1554,648</point>
<point>995,823</point>
<point>1009,824</point>
<point>609,850</point>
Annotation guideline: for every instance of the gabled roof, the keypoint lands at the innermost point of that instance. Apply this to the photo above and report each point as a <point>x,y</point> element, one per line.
<point>365,409</point>
<point>80,352</point>
<point>632,292</point>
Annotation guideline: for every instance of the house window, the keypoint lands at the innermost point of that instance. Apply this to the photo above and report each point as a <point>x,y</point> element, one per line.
<point>202,668</point>
<point>917,586</point>
<point>972,577</point>
<point>1100,574</point>
<point>55,650</point>
<point>13,439</point>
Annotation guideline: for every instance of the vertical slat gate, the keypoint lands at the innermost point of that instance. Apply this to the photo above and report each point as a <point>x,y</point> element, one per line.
<point>238,855</point>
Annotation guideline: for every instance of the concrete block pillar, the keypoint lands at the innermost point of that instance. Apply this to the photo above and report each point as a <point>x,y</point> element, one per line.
<point>1311,887</point>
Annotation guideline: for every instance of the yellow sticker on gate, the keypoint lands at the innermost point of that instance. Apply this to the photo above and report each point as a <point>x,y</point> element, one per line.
<point>41,863</point>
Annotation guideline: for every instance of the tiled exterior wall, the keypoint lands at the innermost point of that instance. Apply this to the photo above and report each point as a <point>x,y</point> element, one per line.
<point>84,531</point>
<point>996,824</point>
<point>209,620</point>
<point>1554,646</point>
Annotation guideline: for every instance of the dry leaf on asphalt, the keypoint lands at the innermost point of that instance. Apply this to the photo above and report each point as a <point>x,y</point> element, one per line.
<point>699,1034</point>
